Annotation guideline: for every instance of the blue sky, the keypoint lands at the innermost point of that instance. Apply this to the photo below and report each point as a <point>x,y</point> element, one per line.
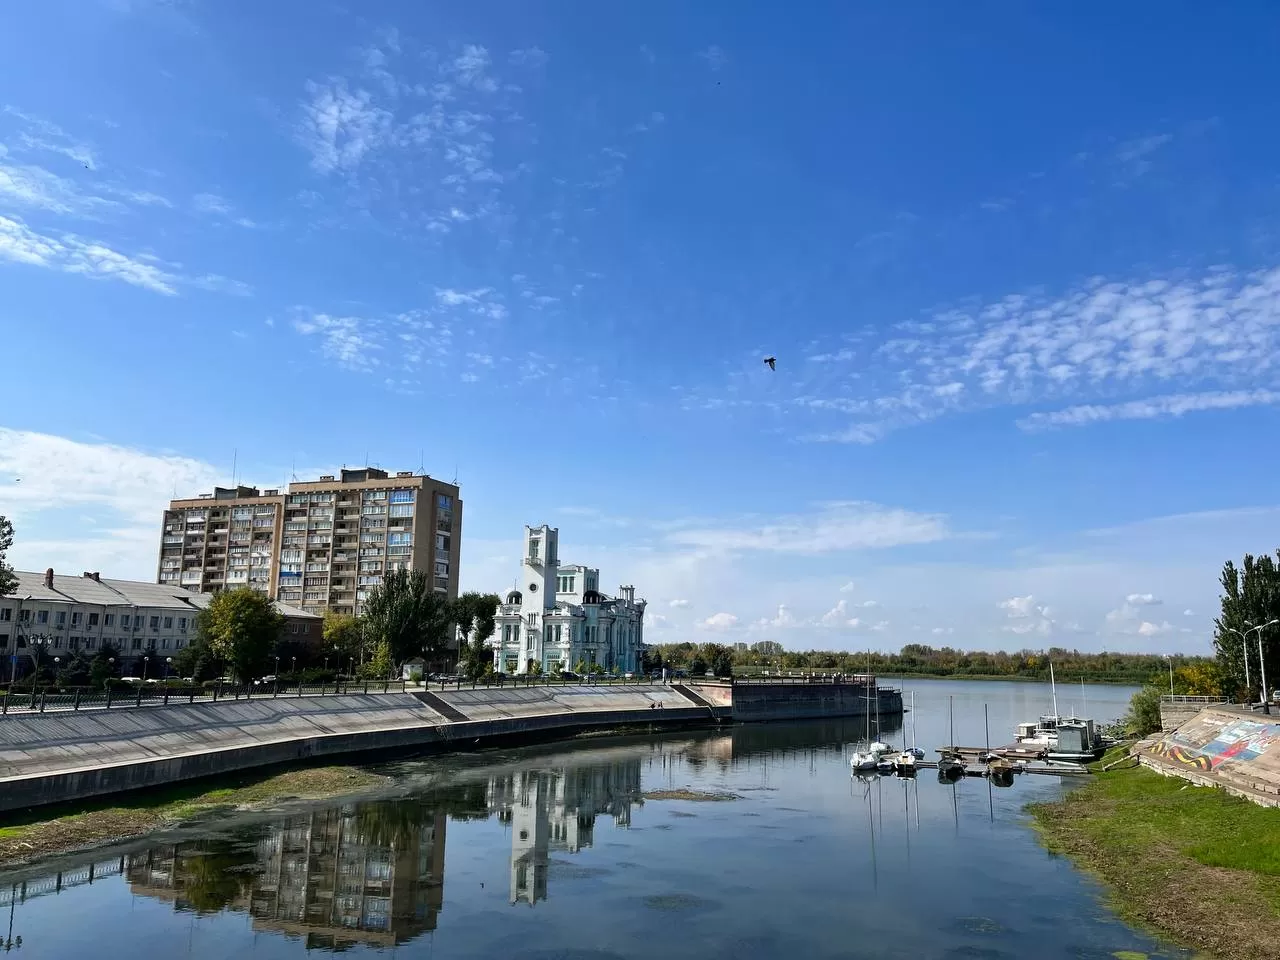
<point>1018,265</point>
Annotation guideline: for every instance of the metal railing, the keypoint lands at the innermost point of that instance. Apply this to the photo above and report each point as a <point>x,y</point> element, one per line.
<point>43,699</point>
<point>1179,698</point>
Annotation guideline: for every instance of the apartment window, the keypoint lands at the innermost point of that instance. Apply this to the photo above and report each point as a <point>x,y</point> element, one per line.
<point>90,643</point>
<point>534,547</point>
<point>124,621</point>
<point>442,542</point>
<point>164,644</point>
<point>155,623</point>
<point>42,616</point>
<point>57,643</point>
<point>93,619</point>
<point>6,614</point>
<point>402,496</point>
<point>136,644</point>
<point>180,643</point>
<point>375,495</point>
<point>108,619</point>
<point>76,618</point>
<point>442,569</point>
<point>4,640</point>
<point>443,502</point>
<point>62,618</point>
<point>400,539</point>
<point>168,623</point>
<point>24,616</point>
<point>401,511</point>
<point>182,624</point>
<point>75,643</point>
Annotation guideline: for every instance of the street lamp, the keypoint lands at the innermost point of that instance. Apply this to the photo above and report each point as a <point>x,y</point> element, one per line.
<point>146,662</point>
<point>168,666</point>
<point>1169,657</point>
<point>1262,666</point>
<point>1244,643</point>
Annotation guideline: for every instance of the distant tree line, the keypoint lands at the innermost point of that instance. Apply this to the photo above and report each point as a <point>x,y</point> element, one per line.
<point>917,659</point>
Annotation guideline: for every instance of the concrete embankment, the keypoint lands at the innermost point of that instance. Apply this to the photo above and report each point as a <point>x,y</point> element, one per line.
<point>1222,746</point>
<point>783,701</point>
<point>50,758</point>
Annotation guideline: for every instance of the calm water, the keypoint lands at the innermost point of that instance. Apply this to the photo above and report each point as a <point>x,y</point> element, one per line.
<point>555,852</point>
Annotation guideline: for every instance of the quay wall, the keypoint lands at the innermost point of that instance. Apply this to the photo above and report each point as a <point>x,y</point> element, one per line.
<point>62,755</point>
<point>793,701</point>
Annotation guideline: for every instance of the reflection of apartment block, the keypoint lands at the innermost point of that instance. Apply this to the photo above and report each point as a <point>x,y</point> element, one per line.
<point>333,877</point>
<point>322,545</point>
<point>556,810</point>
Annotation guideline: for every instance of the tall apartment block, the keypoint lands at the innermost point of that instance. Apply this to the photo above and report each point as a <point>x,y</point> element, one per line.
<point>322,545</point>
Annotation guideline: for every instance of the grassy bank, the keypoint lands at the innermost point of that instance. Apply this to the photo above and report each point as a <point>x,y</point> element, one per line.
<point>1192,863</point>
<point>61,829</point>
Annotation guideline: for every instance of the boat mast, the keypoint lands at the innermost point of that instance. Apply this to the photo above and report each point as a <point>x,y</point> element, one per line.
<point>1054,686</point>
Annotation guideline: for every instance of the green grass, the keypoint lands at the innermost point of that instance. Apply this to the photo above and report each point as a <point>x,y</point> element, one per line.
<point>1194,863</point>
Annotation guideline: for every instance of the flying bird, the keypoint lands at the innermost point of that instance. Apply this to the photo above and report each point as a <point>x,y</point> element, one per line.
<point>772,362</point>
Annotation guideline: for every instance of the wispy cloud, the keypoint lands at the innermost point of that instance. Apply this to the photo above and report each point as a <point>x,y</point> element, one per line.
<point>1220,331</point>
<point>210,204</point>
<point>528,57</point>
<point>718,622</point>
<point>1153,408</point>
<point>714,57</point>
<point>71,254</point>
<point>43,135</point>
<point>850,525</point>
<point>340,127</point>
<point>33,186</point>
<point>345,340</point>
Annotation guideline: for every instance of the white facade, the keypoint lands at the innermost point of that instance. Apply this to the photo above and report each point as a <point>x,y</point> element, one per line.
<point>558,618</point>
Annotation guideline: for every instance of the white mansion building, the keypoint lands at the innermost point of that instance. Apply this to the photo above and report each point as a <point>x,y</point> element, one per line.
<point>560,618</point>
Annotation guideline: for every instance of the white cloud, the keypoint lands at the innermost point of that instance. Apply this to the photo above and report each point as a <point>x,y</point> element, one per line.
<point>719,622</point>
<point>342,339</point>
<point>942,631</point>
<point>1143,600</point>
<point>1147,629</point>
<point>1109,350</point>
<point>341,126</point>
<point>836,616</point>
<point>869,604</point>
<point>782,620</point>
<point>1026,616</point>
<point>71,254</point>
<point>715,57</point>
<point>529,57</point>
<point>210,203</point>
<point>1153,408</point>
<point>1188,612</point>
<point>115,494</point>
<point>470,69</point>
<point>847,588</point>
<point>482,301</point>
<point>679,604</point>
<point>43,135</point>
<point>33,186</point>
<point>841,526</point>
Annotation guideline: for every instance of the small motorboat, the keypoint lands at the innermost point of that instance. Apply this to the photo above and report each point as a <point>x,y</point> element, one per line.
<point>904,764</point>
<point>887,765</point>
<point>1000,772</point>
<point>864,763</point>
<point>950,769</point>
<point>880,749</point>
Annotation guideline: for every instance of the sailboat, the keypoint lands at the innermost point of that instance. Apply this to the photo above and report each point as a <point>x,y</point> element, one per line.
<point>869,761</point>
<point>1061,738</point>
<point>950,769</point>
<point>904,764</point>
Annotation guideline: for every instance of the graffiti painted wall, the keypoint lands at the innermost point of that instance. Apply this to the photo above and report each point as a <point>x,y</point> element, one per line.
<point>1215,738</point>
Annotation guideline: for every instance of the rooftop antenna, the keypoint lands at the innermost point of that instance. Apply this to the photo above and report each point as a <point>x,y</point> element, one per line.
<point>422,462</point>
<point>293,470</point>
<point>235,453</point>
<point>455,473</point>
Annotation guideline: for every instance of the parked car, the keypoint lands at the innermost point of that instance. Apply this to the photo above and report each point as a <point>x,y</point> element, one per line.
<point>130,680</point>
<point>569,675</point>
<point>629,676</point>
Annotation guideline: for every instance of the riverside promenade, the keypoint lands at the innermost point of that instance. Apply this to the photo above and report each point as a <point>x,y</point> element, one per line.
<point>75,751</point>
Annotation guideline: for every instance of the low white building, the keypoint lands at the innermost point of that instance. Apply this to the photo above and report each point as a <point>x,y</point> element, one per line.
<point>558,618</point>
<point>54,615</point>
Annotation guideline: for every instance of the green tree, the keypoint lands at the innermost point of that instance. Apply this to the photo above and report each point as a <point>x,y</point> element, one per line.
<point>1143,717</point>
<point>380,666</point>
<point>1250,596</point>
<point>105,665</point>
<point>241,628</point>
<point>535,668</point>
<point>8,579</point>
<point>719,659</point>
<point>74,671</point>
<point>409,616</point>
<point>197,661</point>
<point>473,613</point>
<point>697,666</point>
<point>341,634</point>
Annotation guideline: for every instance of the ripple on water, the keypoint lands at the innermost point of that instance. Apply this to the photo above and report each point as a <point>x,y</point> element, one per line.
<point>979,925</point>
<point>682,813</point>
<point>679,902</point>
<point>568,870</point>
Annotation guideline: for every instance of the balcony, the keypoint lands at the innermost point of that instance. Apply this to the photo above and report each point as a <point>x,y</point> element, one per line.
<point>534,561</point>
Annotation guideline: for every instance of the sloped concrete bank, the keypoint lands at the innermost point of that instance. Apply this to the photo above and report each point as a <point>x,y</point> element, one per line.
<point>1222,746</point>
<point>53,758</point>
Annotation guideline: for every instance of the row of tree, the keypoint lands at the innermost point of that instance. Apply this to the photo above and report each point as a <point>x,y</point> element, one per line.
<point>921,660</point>
<point>405,619</point>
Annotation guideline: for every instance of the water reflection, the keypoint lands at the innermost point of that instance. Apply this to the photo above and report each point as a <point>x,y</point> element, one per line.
<point>567,827</point>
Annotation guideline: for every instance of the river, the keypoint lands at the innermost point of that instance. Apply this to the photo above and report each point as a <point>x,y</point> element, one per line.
<point>556,852</point>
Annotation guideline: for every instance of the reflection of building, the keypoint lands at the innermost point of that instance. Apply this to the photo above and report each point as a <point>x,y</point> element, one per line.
<point>556,810</point>
<point>335,877</point>
<point>559,618</point>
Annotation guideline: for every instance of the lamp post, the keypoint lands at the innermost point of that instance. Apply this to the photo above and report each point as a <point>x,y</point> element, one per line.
<point>1262,666</point>
<point>1169,657</point>
<point>168,666</point>
<point>146,662</point>
<point>1244,643</point>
